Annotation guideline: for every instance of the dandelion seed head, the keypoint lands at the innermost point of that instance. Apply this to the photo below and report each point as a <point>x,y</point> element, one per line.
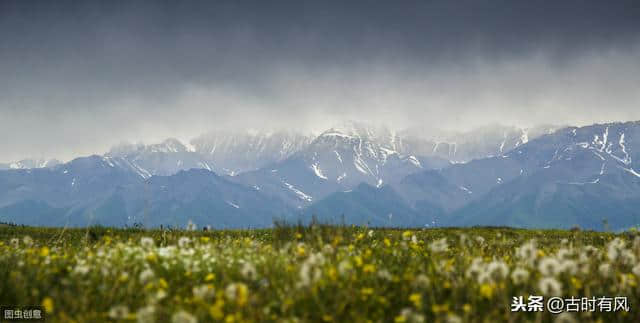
<point>146,275</point>
<point>498,269</point>
<point>439,245</point>
<point>118,312</point>
<point>549,266</point>
<point>146,314</point>
<point>565,317</point>
<point>183,317</point>
<point>146,242</point>
<point>27,240</point>
<point>184,242</point>
<point>605,269</point>
<point>520,275</point>
<point>549,286</point>
<point>203,292</point>
<point>248,271</point>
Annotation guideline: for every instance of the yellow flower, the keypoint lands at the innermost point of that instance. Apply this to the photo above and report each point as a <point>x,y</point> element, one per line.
<point>576,282</point>
<point>416,299</point>
<point>44,251</point>
<point>163,283</point>
<point>406,235</point>
<point>369,268</point>
<point>216,310</point>
<point>238,292</point>
<point>486,290</point>
<point>205,239</point>
<point>466,308</point>
<point>400,319</point>
<point>333,273</point>
<point>47,303</point>
<point>301,251</point>
<point>358,260</point>
<point>298,235</point>
<point>440,308</point>
<point>210,277</point>
<point>387,242</point>
<point>327,318</point>
<point>366,291</point>
<point>243,294</point>
<point>151,257</point>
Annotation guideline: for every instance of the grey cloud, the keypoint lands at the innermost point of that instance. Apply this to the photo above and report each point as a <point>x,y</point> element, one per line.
<point>77,77</point>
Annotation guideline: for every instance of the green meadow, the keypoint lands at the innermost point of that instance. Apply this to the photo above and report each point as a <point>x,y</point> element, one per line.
<point>316,273</point>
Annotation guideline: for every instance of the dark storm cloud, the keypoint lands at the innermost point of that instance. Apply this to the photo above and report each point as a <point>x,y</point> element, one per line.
<point>76,77</point>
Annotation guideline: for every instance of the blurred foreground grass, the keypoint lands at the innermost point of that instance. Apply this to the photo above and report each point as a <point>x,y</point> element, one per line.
<point>314,274</point>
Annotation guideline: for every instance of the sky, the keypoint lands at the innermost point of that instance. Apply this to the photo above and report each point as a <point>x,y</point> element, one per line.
<point>77,77</point>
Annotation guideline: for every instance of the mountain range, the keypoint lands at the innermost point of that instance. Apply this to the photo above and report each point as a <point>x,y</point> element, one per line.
<point>356,173</point>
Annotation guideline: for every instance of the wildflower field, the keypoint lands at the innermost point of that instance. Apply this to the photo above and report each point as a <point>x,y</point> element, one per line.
<point>315,274</point>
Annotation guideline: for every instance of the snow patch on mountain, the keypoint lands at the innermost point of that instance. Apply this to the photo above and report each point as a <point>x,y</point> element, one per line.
<point>318,171</point>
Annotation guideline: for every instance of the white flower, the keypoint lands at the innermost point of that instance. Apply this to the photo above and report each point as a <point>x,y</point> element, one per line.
<point>476,267</point>
<point>411,316</point>
<point>27,241</point>
<point>384,274</point>
<point>159,295</point>
<point>248,271</point>
<point>498,269</point>
<point>568,266</point>
<point>628,257</point>
<point>565,317</point>
<point>15,242</point>
<point>636,242</point>
<point>344,267</point>
<point>370,233</point>
<point>439,245</point>
<point>605,269</point>
<point>527,252</point>
<point>305,276</point>
<point>183,317</point>
<point>519,275</point>
<point>613,248</point>
<point>146,242</point>
<point>146,314</point>
<point>146,275</point>
<point>81,269</point>
<point>550,286</point>
<point>452,318</point>
<point>563,253</point>
<point>183,242</point>
<point>463,239</point>
<point>480,240</point>
<point>118,312</point>
<point>203,292</point>
<point>636,270</point>
<point>588,253</point>
<point>234,290</point>
<point>549,266</point>
<point>167,252</point>
<point>421,281</point>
